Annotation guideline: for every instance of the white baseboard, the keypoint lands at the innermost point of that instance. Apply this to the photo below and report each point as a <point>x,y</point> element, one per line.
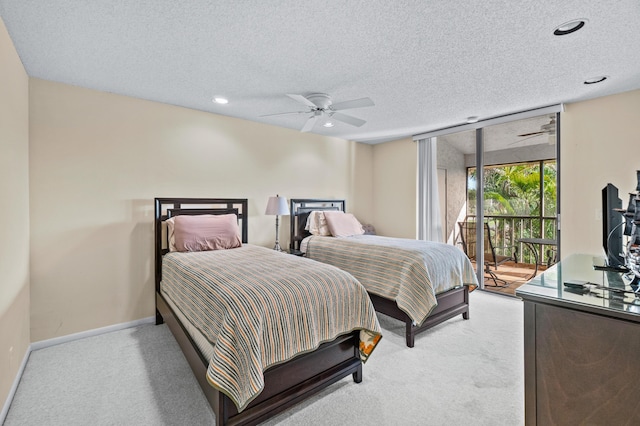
<point>89,333</point>
<point>64,339</point>
<point>14,387</point>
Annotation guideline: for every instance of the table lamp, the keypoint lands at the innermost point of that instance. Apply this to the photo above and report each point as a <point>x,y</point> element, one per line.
<point>277,206</point>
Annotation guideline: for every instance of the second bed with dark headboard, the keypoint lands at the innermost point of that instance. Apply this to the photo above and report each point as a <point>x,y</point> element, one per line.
<point>421,283</point>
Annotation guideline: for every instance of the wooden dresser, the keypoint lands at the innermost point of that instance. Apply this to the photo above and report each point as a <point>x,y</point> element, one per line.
<point>581,350</point>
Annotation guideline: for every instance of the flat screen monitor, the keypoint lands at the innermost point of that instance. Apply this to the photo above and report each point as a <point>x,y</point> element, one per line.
<point>612,226</point>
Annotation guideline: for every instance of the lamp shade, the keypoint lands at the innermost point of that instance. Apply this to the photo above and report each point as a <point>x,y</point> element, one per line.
<point>277,206</point>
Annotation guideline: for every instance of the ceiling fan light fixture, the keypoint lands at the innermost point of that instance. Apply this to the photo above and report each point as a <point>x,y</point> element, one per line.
<point>595,80</point>
<point>220,100</point>
<point>319,104</point>
<point>569,27</point>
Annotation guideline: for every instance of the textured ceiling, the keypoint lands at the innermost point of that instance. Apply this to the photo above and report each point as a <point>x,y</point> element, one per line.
<point>425,64</point>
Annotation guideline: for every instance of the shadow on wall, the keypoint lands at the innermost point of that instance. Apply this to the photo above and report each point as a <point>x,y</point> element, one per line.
<point>141,259</point>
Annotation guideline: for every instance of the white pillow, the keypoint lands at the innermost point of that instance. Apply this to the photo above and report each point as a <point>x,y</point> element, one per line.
<point>171,235</point>
<point>317,224</point>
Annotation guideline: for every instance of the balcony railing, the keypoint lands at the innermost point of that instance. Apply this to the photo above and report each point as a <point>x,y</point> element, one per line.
<point>507,230</point>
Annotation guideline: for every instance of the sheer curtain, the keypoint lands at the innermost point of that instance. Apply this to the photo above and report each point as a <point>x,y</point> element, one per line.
<point>429,221</point>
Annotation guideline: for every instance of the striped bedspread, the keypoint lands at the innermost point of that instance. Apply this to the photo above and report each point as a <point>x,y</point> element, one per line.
<point>411,272</point>
<point>259,308</point>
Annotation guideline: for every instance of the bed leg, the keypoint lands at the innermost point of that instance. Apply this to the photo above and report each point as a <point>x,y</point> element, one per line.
<point>410,335</point>
<point>357,376</point>
<point>159,319</point>
<point>465,314</point>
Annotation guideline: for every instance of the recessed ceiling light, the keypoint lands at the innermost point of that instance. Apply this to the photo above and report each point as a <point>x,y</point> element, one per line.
<point>569,27</point>
<point>595,80</point>
<point>328,124</point>
<point>472,119</point>
<point>220,100</point>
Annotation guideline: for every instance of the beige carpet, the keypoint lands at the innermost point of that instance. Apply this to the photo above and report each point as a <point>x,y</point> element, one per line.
<point>459,373</point>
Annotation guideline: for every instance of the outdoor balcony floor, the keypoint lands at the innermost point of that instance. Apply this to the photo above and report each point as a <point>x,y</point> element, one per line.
<point>515,274</point>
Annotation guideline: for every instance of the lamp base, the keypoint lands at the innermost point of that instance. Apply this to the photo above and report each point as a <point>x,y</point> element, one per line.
<point>277,246</point>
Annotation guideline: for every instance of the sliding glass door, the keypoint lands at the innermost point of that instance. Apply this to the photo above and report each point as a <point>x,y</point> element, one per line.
<point>499,199</point>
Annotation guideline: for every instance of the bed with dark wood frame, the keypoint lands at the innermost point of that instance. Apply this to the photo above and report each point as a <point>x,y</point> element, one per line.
<point>451,303</point>
<point>285,384</point>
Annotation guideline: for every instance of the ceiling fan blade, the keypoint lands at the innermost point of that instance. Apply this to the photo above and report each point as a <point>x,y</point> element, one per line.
<point>284,113</point>
<point>302,100</point>
<point>355,103</point>
<point>308,126</point>
<point>530,137</point>
<point>348,119</point>
<point>532,133</point>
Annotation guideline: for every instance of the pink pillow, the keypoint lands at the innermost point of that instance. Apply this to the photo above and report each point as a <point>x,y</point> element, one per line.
<point>343,224</point>
<point>206,232</point>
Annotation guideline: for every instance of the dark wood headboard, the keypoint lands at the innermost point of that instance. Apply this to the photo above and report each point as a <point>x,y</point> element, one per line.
<point>300,209</point>
<point>166,208</point>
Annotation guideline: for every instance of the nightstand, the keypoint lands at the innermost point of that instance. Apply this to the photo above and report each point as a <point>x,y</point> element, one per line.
<point>296,252</point>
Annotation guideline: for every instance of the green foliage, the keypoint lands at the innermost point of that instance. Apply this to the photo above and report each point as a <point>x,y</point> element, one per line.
<point>513,200</point>
<point>514,190</point>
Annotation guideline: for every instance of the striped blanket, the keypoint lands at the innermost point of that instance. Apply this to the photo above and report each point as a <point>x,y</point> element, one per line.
<point>410,272</point>
<point>259,308</point>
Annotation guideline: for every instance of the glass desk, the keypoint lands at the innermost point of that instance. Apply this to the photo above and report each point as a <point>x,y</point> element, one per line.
<point>617,298</point>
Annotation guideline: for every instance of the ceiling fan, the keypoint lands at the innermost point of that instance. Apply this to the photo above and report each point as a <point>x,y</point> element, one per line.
<point>545,129</point>
<point>321,104</point>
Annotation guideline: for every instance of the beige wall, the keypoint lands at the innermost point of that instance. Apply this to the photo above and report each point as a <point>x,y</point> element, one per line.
<point>97,161</point>
<point>394,181</point>
<point>14,215</point>
<point>600,145</point>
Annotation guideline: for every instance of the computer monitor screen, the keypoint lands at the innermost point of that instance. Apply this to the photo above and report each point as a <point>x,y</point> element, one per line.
<point>612,226</point>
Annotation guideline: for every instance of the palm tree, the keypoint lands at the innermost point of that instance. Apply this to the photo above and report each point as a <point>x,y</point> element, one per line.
<point>510,190</point>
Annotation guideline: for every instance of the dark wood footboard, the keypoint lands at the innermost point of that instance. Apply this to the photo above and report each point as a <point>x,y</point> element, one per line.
<point>285,384</point>
<point>450,304</point>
